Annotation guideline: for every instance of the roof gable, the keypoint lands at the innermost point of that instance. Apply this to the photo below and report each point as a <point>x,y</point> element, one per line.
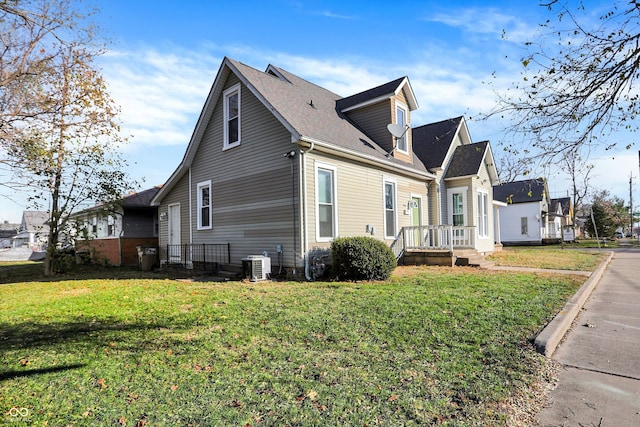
<point>467,160</point>
<point>565,204</point>
<point>34,220</point>
<point>432,142</point>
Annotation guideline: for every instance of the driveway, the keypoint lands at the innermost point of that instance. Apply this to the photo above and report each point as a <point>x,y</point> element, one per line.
<point>20,254</point>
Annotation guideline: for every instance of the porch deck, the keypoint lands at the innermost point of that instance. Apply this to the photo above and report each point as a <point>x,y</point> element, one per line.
<point>446,245</point>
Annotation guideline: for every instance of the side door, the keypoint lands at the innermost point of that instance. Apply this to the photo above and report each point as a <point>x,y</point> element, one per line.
<point>174,240</point>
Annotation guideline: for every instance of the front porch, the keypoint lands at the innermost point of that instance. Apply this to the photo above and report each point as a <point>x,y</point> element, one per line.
<point>445,245</point>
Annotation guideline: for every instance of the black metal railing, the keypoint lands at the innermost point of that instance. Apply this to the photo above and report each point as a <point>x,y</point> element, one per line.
<point>198,256</point>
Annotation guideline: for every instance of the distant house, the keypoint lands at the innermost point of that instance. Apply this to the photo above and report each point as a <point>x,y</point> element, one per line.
<point>527,219</point>
<point>7,232</point>
<point>33,232</point>
<point>112,233</point>
<point>281,166</point>
<point>563,207</point>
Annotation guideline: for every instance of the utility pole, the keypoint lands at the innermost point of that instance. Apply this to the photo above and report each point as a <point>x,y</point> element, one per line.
<point>631,203</point>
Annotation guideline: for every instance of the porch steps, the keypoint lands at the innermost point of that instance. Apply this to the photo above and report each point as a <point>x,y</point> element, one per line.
<point>471,258</point>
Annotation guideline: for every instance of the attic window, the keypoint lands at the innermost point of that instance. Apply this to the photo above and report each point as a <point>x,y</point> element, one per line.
<point>401,119</point>
<point>232,117</point>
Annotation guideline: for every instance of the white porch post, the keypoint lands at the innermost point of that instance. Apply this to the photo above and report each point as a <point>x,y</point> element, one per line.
<point>496,221</point>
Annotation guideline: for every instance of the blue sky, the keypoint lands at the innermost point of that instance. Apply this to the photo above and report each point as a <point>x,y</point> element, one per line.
<point>164,57</point>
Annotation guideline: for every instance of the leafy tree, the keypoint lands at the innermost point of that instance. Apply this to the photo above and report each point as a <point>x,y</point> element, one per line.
<point>609,213</point>
<point>59,131</point>
<point>579,79</point>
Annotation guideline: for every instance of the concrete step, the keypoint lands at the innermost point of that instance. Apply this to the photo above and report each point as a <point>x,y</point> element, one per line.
<point>473,261</point>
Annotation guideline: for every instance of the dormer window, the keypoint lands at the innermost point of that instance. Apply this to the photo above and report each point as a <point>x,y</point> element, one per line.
<point>232,117</point>
<point>401,119</point>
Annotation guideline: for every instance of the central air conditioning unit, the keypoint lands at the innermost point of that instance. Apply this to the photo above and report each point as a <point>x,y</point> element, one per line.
<point>256,267</point>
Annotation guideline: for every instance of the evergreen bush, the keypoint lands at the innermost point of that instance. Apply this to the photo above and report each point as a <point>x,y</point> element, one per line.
<point>361,258</point>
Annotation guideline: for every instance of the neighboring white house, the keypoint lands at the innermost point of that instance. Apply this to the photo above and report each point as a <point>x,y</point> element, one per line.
<point>33,232</point>
<point>526,220</point>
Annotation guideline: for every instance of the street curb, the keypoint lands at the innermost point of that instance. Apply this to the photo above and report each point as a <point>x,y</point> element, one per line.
<point>547,340</point>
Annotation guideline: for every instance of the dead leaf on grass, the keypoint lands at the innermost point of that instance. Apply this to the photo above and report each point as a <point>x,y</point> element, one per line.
<point>100,382</point>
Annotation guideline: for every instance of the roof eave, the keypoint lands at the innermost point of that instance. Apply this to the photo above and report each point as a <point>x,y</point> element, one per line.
<point>354,155</point>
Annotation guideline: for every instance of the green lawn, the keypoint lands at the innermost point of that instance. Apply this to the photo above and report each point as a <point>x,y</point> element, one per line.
<point>431,346</point>
<point>547,257</point>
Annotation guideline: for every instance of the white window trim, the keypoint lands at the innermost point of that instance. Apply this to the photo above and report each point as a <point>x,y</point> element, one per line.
<point>201,185</point>
<point>234,89</point>
<point>450,192</point>
<point>386,181</point>
<point>334,171</point>
<point>482,218</point>
<point>405,109</point>
<point>111,226</point>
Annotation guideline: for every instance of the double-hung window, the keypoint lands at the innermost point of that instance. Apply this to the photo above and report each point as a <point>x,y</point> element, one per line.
<point>326,197</point>
<point>390,215</point>
<point>204,205</point>
<point>231,117</point>
<point>401,119</point>
<point>483,214</point>
<point>111,226</point>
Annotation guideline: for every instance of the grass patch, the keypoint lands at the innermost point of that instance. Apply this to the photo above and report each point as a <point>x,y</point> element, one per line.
<point>546,257</point>
<point>430,346</point>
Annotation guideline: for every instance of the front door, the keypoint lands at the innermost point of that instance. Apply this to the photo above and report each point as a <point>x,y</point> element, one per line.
<point>457,211</point>
<point>174,233</point>
<point>416,220</point>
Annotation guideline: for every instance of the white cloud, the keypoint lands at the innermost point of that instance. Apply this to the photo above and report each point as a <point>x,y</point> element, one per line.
<point>487,21</point>
<point>162,94</point>
<point>159,93</point>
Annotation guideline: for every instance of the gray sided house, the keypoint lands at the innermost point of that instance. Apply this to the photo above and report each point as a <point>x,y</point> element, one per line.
<point>527,218</point>
<point>112,233</point>
<point>33,232</point>
<point>280,166</point>
<point>7,232</point>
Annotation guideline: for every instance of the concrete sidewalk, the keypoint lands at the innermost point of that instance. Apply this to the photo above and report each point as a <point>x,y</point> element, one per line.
<point>599,383</point>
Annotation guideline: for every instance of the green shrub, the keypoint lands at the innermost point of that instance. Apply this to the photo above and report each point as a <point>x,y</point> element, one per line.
<point>361,258</point>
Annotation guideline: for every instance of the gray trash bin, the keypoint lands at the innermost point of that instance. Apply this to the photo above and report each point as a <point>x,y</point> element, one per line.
<point>147,257</point>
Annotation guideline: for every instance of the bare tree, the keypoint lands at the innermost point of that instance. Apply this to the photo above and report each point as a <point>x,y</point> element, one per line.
<point>58,130</point>
<point>577,169</point>
<point>579,80</point>
<point>33,35</point>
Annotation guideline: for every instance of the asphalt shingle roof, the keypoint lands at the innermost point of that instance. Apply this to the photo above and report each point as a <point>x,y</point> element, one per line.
<point>141,199</point>
<point>467,160</point>
<point>529,190</point>
<point>313,113</point>
<point>373,93</point>
<point>431,142</point>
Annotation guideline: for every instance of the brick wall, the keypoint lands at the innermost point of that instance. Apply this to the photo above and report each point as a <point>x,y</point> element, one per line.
<point>130,251</point>
<point>118,252</point>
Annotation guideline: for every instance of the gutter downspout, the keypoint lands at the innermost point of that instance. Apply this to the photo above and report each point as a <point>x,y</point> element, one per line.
<point>304,213</point>
<point>190,209</point>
